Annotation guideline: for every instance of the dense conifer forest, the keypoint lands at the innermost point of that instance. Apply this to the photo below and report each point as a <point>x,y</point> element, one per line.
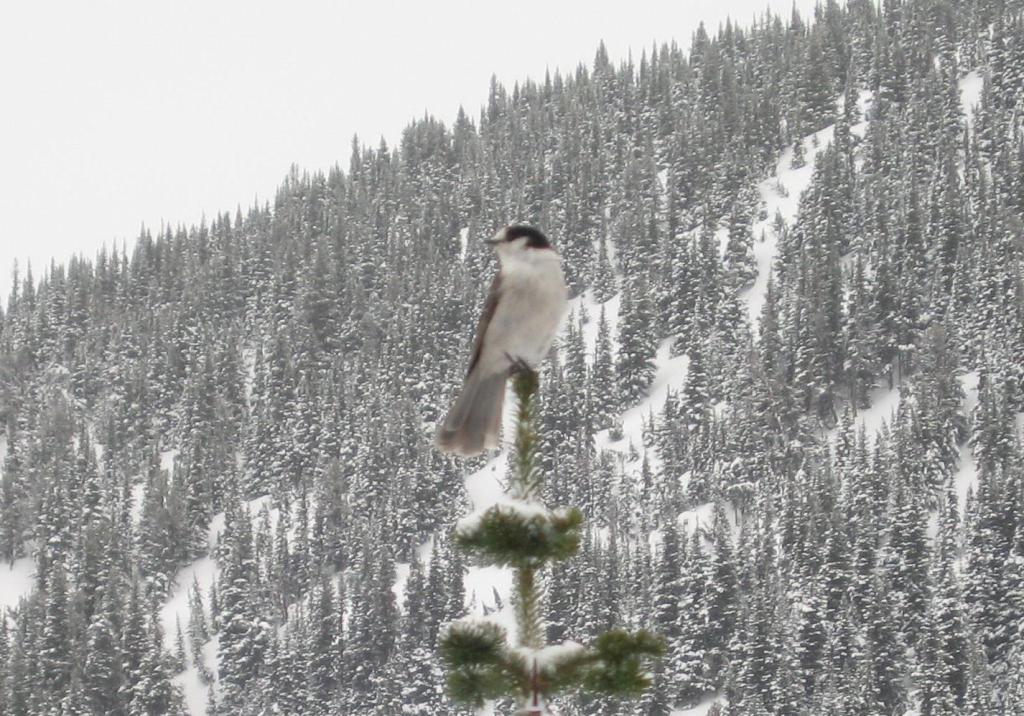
<point>793,421</point>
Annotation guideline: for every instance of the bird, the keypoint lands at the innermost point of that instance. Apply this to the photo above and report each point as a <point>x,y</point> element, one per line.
<point>521,316</point>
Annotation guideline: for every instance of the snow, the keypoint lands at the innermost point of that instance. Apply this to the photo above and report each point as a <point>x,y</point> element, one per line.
<point>722,238</point>
<point>696,517</point>
<point>670,375</point>
<point>864,101</point>
<point>202,571</point>
<point>217,526</point>
<point>249,364</point>
<point>195,692</point>
<point>401,579</point>
<point>700,709</point>
<point>463,242</point>
<point>138,495</point>
<point>592,308</point>
<point>167,458</point>
<point>485,487</point>
<point>18,577</point>
<point>969,383</point>
<point>884,404</point>
<point>526,510</point>
<point>781,195</point>
<point>482,583</point>
<point>971,86</point>
<point>691,520</point>
<point>16,581</point>
<point>423,554</point>
<point>966,476</point>
<point>549,656</point>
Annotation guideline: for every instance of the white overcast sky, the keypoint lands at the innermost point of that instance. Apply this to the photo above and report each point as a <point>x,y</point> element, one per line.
<point>118,114</point>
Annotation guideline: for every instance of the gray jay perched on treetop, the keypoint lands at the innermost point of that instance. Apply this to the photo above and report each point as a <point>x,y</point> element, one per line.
<point>520,318</point>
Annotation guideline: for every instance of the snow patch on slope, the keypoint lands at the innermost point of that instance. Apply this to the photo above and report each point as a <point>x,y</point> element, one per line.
<point>884,404</point>
<point>781,196</point>
<point>971,86</point>
<point>670,375</point>
<point>138,495</point>
<point>696,517</point>
<point>586,304</point>
<point>864,102</point>
<point>203,571</point>
<point>16,581</point>
<point>18,577</point>
<point>966,477</point>
<point>167,458</point>
<point>699,710</point>
<point>195,692</point>
<point>423,554</point>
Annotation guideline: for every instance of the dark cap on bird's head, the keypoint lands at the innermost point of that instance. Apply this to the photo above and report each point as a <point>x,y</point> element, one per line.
<point>535,239</point>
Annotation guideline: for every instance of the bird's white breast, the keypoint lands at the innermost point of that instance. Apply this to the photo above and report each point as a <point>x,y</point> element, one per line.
<point>532,303</point>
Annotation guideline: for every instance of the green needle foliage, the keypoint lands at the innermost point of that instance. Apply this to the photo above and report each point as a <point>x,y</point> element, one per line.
<point>482,663</point>
<point>507,538</point>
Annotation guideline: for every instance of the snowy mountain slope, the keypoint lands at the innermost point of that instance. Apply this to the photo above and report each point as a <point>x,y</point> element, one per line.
<point>884,401</point>
<point>780,194</point>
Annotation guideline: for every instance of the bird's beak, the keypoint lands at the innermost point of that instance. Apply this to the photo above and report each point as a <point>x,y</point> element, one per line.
<point>496,239</point>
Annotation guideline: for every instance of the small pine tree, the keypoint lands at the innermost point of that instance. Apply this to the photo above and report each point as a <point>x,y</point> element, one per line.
<point>634,366</point>
<point>604,400</point>
<point>523,534</point>
<point>799,155</point>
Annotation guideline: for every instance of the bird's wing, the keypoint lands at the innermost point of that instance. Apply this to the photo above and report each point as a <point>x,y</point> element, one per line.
<point>490,304</point>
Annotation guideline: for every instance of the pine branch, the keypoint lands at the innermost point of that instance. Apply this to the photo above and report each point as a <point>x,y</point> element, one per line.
<point>525,535</point>
<point>527,480</point>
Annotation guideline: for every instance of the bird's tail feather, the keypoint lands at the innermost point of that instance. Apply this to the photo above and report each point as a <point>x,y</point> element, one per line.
<point>473,423</point>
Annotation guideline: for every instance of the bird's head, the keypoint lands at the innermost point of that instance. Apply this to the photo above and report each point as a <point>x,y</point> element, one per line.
<point>520,242</point>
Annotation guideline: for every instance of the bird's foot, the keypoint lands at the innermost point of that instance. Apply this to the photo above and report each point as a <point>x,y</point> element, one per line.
<point>518,365</point>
